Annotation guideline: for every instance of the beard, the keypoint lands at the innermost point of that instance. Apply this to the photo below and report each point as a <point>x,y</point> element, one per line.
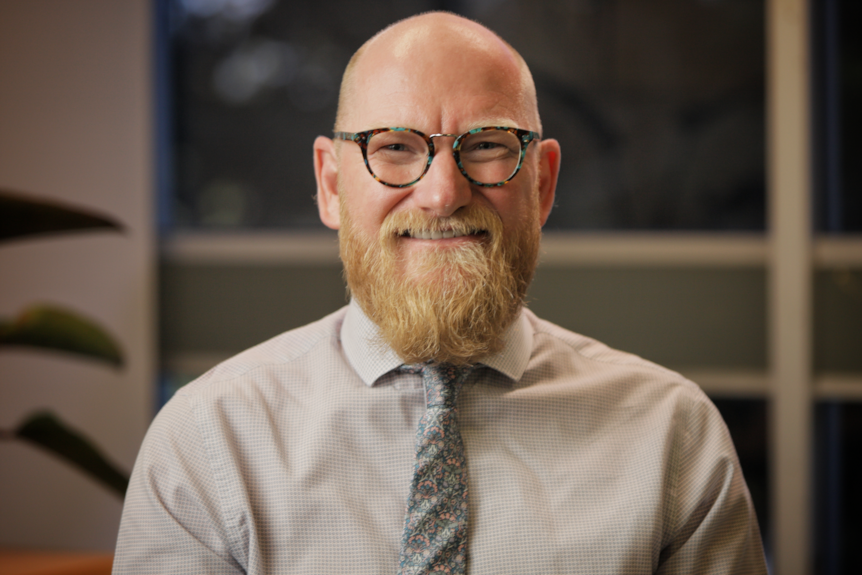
<point>447,305</point>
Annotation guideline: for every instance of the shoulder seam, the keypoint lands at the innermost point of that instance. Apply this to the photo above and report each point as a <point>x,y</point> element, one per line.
<point>630,359</point>
<point>288,352</point>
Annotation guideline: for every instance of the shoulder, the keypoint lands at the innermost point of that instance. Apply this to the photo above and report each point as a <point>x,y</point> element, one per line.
<point>280,375</point>
<point>556,346</point>
<point>638,399</point>
<point>270,382</point>
<point>615,383</point>
<point>285,352</point>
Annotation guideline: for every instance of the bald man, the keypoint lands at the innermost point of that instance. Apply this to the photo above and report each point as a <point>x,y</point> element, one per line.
<point>435,425</point>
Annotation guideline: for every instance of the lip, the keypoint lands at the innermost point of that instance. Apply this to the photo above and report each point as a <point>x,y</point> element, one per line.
<point>413,244</point>
<point>442,241</point>
<point>441,235</point>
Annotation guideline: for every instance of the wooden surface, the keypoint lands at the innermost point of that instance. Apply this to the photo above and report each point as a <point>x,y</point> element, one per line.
<point>16,562</point>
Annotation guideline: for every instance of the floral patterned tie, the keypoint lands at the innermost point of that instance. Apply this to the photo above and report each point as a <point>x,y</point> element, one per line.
<point>435,527</point>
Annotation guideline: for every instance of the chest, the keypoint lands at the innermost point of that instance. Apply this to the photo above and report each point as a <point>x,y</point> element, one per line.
<point>549,492</point>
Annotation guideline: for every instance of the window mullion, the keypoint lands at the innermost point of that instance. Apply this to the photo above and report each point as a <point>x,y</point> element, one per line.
<point>790,280</point>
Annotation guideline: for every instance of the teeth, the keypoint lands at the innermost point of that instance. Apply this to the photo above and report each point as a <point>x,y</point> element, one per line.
<point>435,235</point>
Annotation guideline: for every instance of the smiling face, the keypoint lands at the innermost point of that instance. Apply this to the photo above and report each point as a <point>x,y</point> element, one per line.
<point>442,243</point>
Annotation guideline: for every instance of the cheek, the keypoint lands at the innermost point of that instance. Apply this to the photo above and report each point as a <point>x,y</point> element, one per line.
<point>516,206</point>
<point>369,205</point>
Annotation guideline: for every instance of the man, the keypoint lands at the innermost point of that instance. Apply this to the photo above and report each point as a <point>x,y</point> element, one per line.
<point>434,425</point>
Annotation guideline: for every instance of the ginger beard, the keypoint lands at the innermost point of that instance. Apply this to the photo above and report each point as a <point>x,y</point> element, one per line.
<point>452,304</point>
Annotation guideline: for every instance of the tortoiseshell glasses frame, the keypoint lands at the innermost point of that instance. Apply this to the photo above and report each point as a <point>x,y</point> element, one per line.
<point>362,138</point>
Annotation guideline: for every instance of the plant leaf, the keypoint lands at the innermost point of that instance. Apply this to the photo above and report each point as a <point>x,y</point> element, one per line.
<point>59,329</point>
<point>21,215</point>
<point>47,431</point>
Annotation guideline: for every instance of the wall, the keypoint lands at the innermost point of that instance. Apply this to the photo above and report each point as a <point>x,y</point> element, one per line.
<point>75,125</point>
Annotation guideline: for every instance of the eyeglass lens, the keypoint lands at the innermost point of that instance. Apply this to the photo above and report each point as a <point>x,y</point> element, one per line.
<point>488,157</point>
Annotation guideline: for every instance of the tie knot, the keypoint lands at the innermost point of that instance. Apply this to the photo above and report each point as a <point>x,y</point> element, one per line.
<point>442,382</point>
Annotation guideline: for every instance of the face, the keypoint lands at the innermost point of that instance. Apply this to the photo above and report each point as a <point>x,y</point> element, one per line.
<point>435,81</point>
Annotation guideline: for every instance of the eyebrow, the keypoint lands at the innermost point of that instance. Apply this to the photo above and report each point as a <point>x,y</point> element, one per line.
<point>493,121</point>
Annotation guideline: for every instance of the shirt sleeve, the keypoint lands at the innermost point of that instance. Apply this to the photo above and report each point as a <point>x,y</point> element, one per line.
<point>172,519</point>
<point>715,527</point>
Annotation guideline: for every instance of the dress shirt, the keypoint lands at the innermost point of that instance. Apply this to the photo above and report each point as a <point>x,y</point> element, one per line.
<point>296,457</point>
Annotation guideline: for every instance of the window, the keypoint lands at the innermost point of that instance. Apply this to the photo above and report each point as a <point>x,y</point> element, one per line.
<point>695,161</point>
<point>659,106</point>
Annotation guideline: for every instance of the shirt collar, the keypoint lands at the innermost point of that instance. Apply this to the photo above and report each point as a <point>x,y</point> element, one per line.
<point>371,358</point>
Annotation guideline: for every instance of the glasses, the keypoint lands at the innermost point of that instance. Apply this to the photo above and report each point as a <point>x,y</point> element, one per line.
<point>400,157</point>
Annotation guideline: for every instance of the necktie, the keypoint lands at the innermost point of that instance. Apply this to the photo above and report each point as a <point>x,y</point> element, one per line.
<point>435,527</point>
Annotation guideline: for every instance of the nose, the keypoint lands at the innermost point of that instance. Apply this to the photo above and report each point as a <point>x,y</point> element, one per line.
<point>444,189</point>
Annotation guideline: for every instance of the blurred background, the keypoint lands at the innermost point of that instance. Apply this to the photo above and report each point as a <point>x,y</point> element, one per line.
<point>708,217</point>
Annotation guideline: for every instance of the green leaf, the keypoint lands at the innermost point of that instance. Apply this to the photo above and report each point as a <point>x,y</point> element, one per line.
<point>47,431</point>
<point>21,215</point>
<point>58,329</point>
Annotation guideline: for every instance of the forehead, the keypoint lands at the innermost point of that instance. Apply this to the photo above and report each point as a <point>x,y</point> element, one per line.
<point>438,78</point>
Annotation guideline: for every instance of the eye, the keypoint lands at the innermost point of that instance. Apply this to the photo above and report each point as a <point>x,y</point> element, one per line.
<point>398,147</point>
<point>397,143</point>
<point>489,148</point>
<point>486,145</point>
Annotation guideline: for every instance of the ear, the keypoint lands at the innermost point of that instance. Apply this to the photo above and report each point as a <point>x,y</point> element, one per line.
<point>549,170</point>
<point>326,173</point>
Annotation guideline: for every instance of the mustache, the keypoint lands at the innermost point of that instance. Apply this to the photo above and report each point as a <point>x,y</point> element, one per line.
<point>472,219</point>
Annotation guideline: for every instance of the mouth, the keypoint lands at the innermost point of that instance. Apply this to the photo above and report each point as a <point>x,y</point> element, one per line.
<point>441,234</point>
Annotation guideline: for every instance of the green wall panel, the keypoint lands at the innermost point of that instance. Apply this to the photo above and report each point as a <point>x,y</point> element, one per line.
<point>679,317</point>
<point>223,309</point>
<point>838,320</point>
<point>704,317</point>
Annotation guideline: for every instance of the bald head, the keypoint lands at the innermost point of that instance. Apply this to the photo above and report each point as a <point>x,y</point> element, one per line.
<point>435,49</point>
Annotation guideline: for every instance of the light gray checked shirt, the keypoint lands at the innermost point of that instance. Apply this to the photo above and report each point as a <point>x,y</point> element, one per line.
<point>296,457</point>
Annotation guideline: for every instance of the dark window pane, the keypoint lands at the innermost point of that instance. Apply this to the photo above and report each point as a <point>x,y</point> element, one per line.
<point>746,420</point>
<point>658,105</point>
<point>851,106</point>
<point>838,126</point>
<point>838,476</point>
